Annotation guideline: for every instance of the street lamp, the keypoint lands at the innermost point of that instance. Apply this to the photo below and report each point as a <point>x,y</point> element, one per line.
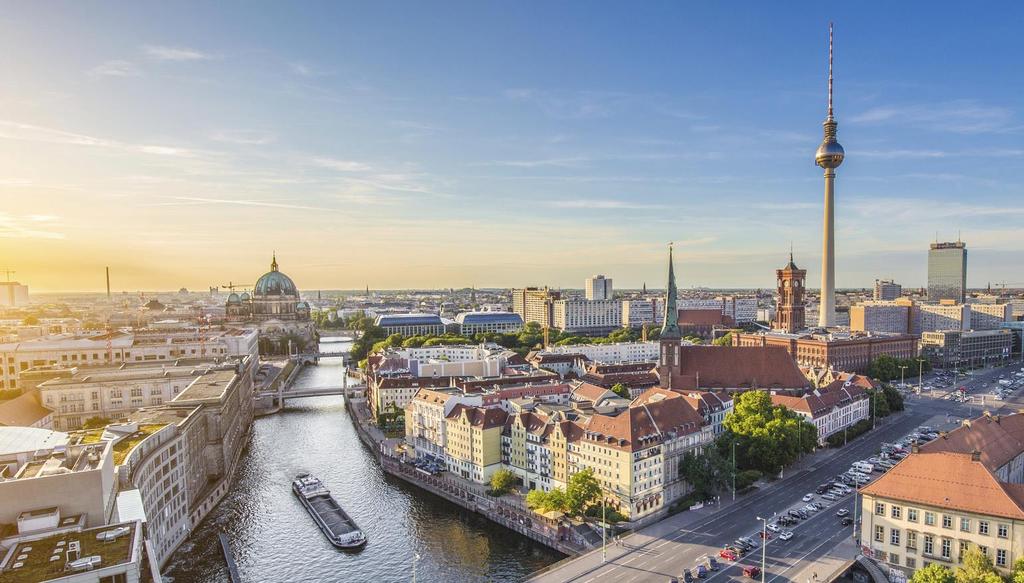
<point>903,370</point>
<point>764,542</point>
<point>920,375</point>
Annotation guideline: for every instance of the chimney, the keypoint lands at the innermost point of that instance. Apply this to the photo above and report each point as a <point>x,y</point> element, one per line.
<point>915,447</point>
<point>975,456</point>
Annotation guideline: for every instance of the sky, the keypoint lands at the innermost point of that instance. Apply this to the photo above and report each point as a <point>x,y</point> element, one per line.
<point>450,144</point>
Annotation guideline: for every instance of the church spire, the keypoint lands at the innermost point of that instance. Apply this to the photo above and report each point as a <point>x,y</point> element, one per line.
<point>670,328</point>
<point>273,262</point>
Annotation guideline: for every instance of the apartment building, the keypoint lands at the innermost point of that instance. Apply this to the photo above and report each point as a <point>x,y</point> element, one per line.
<point>425,426</point>
<point>740,310</point>
<point>586,316</point>
<point>535,304</point>
<point>887,290</point>
<point>990,316</point>
<point>598,287</point>
<point>616,353</point>
<point>831,409</point>
<point>974,498</point>
<point>713,407</point>
<point>473,449</point>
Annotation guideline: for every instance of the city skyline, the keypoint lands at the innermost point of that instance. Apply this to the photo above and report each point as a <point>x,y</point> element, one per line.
<point>373,150</point>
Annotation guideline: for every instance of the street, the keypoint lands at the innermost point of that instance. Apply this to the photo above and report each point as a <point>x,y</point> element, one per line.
<point>664,549</point>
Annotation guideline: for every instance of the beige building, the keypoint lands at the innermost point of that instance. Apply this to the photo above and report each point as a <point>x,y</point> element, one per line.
<point>535,305</point>
<point>473,436</point>
<point>425,429</point>
<point>963,490</point>
<point>580,315</point>
<point>881,316</point>
<point>990,316</point>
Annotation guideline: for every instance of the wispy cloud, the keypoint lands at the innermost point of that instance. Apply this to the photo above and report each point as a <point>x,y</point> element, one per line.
<point>605,204</point>
<point>569,162</point>
<point>115,68</point>
<point>31,133</point>
<point>29,227</point>
<point>342,165</point>
<point>960,116</point>
<point>243,137</point>
<point>199,200</point>
<point>166,53</point>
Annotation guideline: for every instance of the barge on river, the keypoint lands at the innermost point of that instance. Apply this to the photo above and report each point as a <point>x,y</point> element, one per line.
<point>339,528</point>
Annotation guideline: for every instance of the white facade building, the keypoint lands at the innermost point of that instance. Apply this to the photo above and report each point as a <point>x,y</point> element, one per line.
<point>599,287</point>
<point>620,352</point>
<point>587,315</point>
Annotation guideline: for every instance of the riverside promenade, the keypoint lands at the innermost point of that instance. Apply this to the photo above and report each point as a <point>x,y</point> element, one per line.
<point>559,534</point>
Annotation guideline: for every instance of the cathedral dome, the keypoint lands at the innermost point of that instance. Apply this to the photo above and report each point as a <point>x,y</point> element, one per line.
<point>233,298</point>
<point>275,283</point>
<point>245,296</point>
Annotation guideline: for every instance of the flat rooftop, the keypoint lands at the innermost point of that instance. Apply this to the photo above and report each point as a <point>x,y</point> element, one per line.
<point>46,558</point>
<point>208,386</point>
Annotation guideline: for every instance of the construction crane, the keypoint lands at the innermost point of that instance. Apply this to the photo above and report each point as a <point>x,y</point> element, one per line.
<point>231,286</point>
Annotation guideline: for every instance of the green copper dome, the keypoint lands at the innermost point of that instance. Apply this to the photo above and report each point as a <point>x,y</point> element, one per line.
<point>275,283</point>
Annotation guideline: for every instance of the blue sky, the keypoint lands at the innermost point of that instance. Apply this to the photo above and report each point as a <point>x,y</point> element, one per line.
<point>452,144</point>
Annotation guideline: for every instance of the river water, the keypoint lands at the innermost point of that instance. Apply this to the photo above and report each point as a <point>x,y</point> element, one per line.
<point>275,540</point>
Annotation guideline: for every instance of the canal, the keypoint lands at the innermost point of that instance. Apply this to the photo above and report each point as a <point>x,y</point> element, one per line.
<point>411,533</point>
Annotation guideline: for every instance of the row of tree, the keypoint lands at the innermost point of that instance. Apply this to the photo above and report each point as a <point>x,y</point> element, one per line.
<point>976,567</point>
<point>887,368</point>
<point>582,491</point>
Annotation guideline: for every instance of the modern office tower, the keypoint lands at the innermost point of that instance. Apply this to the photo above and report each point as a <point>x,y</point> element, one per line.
<point>534,304</point>
<point>947,272</point>
<point>887,290</point>
<point>790,313</point>
<point>829,156</point>
<point>599,287</point>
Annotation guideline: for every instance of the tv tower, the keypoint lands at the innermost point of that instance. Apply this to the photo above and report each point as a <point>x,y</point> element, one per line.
<point>829,156</point>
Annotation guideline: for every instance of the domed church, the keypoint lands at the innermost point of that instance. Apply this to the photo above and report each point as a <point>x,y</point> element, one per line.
<point>277,309</point>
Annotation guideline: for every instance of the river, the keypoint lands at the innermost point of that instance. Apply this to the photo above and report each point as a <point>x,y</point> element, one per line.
<point>411,533</point>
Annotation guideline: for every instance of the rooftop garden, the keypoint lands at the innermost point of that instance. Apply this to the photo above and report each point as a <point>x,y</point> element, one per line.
<point>126,445</point>
<point>38,566</point>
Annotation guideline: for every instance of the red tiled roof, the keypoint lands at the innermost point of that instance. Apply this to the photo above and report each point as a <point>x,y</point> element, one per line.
<point>949,480</point>
<point>998,438</point>
<point>479,416</point>
<point>589,392</point>
<point>649,418</point>
<point>734,367</point>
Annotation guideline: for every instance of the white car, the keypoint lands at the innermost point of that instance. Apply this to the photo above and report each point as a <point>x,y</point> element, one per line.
<point>842,512</point>
<point>810,508</point>
<point>808,497</point>
<point>786,535</point>
<point>773,528</point>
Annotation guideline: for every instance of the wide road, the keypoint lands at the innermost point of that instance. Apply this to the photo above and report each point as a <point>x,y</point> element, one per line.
<point>665,549</point>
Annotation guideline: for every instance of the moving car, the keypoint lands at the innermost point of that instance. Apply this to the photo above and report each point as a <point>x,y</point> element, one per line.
<point>842,512</point>
<point>846,521</point>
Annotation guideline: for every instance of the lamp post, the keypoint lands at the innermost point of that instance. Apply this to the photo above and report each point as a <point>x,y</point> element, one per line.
<point>764,543</point>
<point>734,470</point>
<point>604,531</point>
<point>903,370</point>
<point>920,375</point>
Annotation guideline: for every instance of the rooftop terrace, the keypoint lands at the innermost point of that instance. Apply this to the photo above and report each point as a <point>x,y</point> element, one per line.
<point>46,558</point>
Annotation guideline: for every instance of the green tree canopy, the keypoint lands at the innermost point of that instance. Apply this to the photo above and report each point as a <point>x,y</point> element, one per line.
<point>95,423</point>
<point>768,437</point>
<point>976,567</point>
<point>933,573</point>
<point>582,490</point>
<point>621,390</point>
<point>502,481</point>
<point>724,340</point>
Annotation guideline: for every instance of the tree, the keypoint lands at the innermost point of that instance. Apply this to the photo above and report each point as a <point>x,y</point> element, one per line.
<point>933,573</point>
<point>724,340</point>
<point>95,423</point>
<point>30,320</point>
<point>708,472</point>
<point>768,437</point>
<point>879,405</point>
<point>502,481</point>
<point>541,501</point>
<point>583,489</point>
<point>976,567</point>
<point>1017,575</point>
<point>621,390</point>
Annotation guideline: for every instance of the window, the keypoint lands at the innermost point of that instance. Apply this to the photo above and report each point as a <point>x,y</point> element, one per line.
<point>897,511</point>
<point>1000,557</point>
<point>947,548</point>
<point>894,536</point>
<point>879,533</point>
<point>911,562</point>
<point>965,525</point>
<point>879,509</point>
<point>984,550</point>
<point>982,527</point>
<point>912,514</point>
<point>911,540</point>
<point>929,544</point>
<point>894,558</point>
<point>1002,531</point>
<point>929,518</point>
<point>964,545</point>
<point>947,521</point>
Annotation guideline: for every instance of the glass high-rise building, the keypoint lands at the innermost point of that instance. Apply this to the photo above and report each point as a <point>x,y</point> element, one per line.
<point>947,271</point>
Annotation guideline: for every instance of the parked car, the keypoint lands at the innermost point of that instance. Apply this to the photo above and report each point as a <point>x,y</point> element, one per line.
<point>765,535</point>
<point>752,571</point>
<point>687,576</point>
<point>711,563</point>
<point>829,497</point>
<point>773,528</point>
<point>702,571</point>
<point>846,521</point>
<point>786,535</point>
<point>795,514</point>
<point>729,554</point>
<point>808,497</point>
